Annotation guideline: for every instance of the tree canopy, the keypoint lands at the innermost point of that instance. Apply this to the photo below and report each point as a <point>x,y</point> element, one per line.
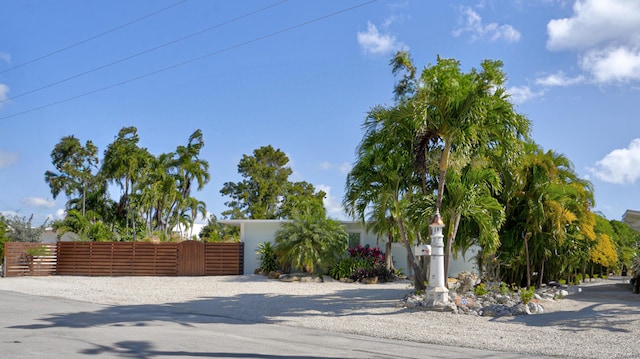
<point>265,191</point>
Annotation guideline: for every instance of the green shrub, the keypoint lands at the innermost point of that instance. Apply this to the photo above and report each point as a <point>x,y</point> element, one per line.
<point>361,262</point>
<point>480,289</point>
<point>504,289</point>
<point>267,257</point>
<point>526,295</point>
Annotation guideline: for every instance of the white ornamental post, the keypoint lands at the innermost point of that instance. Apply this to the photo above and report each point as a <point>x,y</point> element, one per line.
<point>437,293</point>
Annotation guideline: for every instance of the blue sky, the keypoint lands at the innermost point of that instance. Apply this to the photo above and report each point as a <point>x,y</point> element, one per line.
<point>300,75</point>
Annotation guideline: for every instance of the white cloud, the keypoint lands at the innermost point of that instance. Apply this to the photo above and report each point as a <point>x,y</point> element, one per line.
<point>343,168</point>
<point>621,166</point>
<point>5,57</point>
<point>493,31</point>
<point>332,204</point>
<point>7,159</point>
<point>559,79</point>
<point>60,214</point>
<point>522,94</point>
<point>596,22</point>
<point>38,202</point>
<point>606,35</point>
<point>376,43</point>
<point>612,65</point>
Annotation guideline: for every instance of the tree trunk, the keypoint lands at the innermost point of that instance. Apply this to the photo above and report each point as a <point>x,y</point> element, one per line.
<point>541,274</point>
<point>447,254</point>
<point>526,251</point>
<point>388,261</point>
<point>417,273</point>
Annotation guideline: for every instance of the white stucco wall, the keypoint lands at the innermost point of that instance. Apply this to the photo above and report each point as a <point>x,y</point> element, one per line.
<point>254,232</point>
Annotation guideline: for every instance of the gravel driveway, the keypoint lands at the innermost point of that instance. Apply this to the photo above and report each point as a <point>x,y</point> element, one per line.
<point>601,320</point>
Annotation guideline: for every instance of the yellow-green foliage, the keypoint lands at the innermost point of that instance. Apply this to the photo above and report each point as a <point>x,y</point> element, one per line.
<point>604,252</point>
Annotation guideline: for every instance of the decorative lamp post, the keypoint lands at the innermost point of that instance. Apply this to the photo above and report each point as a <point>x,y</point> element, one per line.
<point>437,293</point>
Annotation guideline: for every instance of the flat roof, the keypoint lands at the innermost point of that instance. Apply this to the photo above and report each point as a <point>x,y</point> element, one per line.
<point>632,218</point>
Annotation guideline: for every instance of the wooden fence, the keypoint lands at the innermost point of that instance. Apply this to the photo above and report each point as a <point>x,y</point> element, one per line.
<point>188,258</point>
<point>29,259</point>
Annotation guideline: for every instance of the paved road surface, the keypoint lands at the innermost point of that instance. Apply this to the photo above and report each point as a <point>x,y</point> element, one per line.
<point>43,327</point>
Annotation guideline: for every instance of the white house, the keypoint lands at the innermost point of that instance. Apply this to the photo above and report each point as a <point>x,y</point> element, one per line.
<point>255,231</point>
<point>632,218</point>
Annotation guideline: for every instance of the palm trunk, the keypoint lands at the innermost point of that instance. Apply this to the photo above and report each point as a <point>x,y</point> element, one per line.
<point>418,278</point>
<point>541,275</point>
<point>450,239</point>
<point>388,262</point>
<point>526,251</point>
<point>444,163</point>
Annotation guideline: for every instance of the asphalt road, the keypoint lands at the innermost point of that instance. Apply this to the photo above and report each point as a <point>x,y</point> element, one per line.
<point>44,327</point>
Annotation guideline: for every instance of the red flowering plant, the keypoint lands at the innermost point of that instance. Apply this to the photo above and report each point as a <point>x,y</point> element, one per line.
<point>362,262</point>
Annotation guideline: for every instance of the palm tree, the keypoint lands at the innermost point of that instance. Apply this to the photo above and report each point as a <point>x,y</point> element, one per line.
<point>550,205</point>
<point>382,180</point>
<point>471,205</point>
<point>457,111</point>
<point>190,167</point>
<point>123,164</point>
<point>310,242</point>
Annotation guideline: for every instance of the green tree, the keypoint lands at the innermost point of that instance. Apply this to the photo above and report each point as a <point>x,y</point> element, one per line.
<point>4,235</point>
<point>550,207</point>
<point>21,229</point>
<point>382,179</point>
<point>265,191</point>
<point>310,242</point>
<point>215,231</point>
<point>299,195</point>
<point>76,166</point>
<point>458,115</point>
<point>627,241</point>
<point>123,163</point>
<point>472,208</point>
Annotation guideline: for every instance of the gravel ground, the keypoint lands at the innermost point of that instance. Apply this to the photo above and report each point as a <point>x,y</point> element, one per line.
<point>600,320</point>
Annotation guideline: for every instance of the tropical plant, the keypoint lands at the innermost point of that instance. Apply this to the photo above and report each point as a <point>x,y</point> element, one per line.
<point>310,242</point>
<point>267,257</point>
<point>362,263</point>
<point>382,182</point>
<point>123,163</point>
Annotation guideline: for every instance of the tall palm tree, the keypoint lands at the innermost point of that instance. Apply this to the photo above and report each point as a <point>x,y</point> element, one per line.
<point>190,167</point>
<point>382,179</point>
<point>550,205</point>
<point>123,163</point>
<point>471,203</point>
<point>455,111</point>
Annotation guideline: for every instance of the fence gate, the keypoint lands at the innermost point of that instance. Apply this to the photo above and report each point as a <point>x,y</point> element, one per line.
<point>191,258</point>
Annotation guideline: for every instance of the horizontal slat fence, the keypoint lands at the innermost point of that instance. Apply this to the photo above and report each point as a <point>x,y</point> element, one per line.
<point>145,259</point>
<point>224,258</point>
<point>29,259</point>
<point>117,259</point>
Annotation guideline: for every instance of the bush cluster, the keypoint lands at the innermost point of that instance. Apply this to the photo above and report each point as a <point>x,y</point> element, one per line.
<point>360,263</point>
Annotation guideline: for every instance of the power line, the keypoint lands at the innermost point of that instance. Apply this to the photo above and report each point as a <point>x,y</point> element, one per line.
<point>92,38</point>
<point>141,53</point>
<point>149,74</point>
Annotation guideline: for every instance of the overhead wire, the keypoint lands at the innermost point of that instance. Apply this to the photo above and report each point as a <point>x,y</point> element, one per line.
<point>217,52</point>
<point>92,37</point>
<point>142,52</point>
